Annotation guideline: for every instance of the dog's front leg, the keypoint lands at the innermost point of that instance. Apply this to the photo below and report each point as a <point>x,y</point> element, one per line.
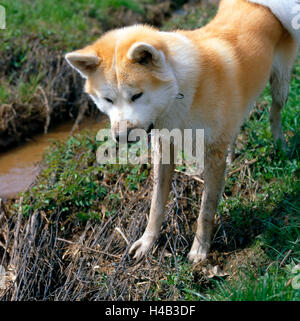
<point>162,181</point>
<point>214,169</point>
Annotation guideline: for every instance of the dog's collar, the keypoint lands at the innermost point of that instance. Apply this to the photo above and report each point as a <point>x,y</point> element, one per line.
<point>180,96</point>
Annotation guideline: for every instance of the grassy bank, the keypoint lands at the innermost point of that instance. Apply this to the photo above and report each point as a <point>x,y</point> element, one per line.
<point>68,236</point>
<point>61,25</point>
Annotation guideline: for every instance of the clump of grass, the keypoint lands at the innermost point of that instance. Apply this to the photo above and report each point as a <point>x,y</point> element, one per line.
<point>60,24</point>
<point>252,286</point>
<point>73,182</point>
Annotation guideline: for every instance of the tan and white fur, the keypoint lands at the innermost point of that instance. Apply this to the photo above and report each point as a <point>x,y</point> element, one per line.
<point>134,75</point>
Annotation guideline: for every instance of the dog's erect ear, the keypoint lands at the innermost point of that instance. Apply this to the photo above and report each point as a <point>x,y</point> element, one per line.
<point>145,54</point>
<point>83,61</point>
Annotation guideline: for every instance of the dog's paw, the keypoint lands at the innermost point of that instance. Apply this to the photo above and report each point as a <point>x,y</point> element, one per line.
<point>141,247</point>
<point>197,256</point>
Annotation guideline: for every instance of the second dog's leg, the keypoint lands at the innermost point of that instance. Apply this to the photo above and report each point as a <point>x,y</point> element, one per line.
<point>214,169</point>
<point>162,181</point>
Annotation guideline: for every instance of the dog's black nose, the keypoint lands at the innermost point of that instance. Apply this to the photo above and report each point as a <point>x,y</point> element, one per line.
<point>150,128</point>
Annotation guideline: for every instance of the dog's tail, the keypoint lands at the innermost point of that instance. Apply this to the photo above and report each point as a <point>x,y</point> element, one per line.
<point>288,13</point>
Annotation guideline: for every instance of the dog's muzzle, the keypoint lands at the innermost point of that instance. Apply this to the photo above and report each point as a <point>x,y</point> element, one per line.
<point>148,131</point>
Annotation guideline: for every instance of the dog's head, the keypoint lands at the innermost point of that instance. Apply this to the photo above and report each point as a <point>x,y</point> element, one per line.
<point>129,77</point>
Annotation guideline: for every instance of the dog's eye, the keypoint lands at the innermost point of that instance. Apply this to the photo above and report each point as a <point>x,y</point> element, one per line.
<point>137,96</point>
<point>108,100</point>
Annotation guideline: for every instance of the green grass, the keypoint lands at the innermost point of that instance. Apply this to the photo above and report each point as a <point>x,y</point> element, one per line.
<point>73,182</point>
<point>59,24</point>
<point>53,27</point>
<point>199,16</point>
<point>4,92</point>
<point>272,285</point>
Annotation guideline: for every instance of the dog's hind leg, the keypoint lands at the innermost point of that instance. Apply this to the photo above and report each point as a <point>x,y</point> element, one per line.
<point>280,80</point>
<point>214,171</point>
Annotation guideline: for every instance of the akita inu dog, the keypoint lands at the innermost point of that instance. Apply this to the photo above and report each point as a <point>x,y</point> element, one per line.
<point>135,74</point>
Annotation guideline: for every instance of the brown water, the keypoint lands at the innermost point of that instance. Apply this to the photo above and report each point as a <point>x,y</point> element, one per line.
<point>19,166</point>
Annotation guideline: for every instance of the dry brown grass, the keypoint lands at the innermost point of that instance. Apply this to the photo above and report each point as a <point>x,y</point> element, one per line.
<point>49,258</point>
<point>57,95</point>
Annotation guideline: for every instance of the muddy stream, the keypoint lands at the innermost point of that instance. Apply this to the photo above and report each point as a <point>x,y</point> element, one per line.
<point>19,166</point>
